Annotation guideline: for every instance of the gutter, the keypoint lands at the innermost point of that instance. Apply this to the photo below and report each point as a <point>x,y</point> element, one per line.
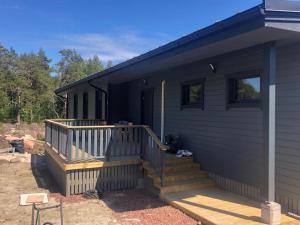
<point>106,97</point>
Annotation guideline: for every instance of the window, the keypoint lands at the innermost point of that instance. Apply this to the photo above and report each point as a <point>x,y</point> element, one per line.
<point>85,105</point>
<point>192,94</point>
<point>75,106</point>
<point>98,104</point>
<point>244,90</point>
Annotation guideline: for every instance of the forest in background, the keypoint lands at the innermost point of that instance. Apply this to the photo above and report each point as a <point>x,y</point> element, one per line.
<point>28,81</point>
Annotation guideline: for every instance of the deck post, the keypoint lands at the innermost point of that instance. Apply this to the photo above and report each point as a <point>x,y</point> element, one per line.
<point>162,119</point>
<point>271,211</point>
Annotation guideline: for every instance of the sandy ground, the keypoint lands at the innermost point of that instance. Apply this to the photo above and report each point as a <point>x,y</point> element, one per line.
<point>122,207</point>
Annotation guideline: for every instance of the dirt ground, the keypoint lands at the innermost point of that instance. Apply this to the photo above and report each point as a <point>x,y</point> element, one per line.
<point>122,207</point>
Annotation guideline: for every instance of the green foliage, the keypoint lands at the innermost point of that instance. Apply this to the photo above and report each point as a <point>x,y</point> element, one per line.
<point>93,65</point>
<point>27,82</point>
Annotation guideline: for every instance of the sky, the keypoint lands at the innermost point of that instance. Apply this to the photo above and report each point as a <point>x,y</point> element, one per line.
<point>114,30</point>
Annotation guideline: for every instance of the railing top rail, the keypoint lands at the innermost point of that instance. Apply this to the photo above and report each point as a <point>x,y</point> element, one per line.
<point>70,120</point>
<point>156,139</point>
<point>55,122</point>
<point>92,126</point>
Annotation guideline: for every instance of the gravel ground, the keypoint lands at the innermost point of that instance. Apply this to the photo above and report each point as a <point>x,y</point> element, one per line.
<point>116,208</point>
<point>141,207</point>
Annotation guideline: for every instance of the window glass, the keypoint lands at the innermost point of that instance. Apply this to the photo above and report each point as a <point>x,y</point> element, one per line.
<point>244,89</point>
<point>193,94</point>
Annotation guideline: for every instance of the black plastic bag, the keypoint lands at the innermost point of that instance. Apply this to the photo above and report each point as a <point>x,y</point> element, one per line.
<point>18,145</point>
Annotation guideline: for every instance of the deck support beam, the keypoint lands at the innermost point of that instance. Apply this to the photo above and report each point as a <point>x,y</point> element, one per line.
<point>270,211</point>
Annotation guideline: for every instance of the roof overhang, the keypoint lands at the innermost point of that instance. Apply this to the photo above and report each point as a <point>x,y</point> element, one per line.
<point>250,28</point>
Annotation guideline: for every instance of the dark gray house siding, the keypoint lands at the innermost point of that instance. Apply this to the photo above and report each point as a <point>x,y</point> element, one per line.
<point>288,127</point>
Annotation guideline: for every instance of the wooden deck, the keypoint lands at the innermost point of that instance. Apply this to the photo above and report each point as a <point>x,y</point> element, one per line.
<point>214,206</point>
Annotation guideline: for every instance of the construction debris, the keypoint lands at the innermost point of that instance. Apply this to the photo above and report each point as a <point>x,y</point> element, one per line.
<point>16,157</point>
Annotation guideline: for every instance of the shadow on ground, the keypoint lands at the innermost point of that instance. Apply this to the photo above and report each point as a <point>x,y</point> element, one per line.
<point>41,174</point>
<point>131,200</point>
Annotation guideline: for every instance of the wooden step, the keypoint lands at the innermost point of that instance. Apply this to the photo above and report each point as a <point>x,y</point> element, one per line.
<point>185,185</point>
<point>169,158</point>
<point>179,176</point>
<point>178,168</point>
<point>149,168</point>
<point>181,168</point>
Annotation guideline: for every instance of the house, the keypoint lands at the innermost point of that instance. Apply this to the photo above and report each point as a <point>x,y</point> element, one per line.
<point>230,91</point>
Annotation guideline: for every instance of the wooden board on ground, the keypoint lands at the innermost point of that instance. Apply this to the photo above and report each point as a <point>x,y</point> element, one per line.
<point>29,199</point>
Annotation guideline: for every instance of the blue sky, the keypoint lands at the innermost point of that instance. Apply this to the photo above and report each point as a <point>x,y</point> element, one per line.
<point>113,29</point>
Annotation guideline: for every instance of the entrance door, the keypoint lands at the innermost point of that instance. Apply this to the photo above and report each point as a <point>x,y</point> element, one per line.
<point>147,107</point>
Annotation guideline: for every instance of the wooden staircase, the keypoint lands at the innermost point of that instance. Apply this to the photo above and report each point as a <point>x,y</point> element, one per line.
<point>179,174</point>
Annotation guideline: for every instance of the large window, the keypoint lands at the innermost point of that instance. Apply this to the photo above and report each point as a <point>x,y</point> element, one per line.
<point>192,94</point>
<point>85,104</point>
<point>244,90</point>
<point>75,106</point>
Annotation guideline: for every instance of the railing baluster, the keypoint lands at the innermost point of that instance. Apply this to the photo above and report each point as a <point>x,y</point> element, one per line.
<point>95,143</point>
<point>101,152</point>
<point>89,142</point>
<point>70,144</point>
<point>76,144</point>
<point>83,152</point>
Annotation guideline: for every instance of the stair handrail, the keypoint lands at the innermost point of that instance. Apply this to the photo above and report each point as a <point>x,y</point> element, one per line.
<point>156,139</point>
<point>162,149</point>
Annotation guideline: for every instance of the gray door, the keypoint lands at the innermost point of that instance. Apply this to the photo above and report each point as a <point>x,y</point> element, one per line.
<point>147,107</point>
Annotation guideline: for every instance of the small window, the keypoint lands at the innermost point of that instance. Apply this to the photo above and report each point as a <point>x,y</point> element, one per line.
<point>85,104</point>
<point>245,91</point>
<point>192,94</point>
<point>75,106</point>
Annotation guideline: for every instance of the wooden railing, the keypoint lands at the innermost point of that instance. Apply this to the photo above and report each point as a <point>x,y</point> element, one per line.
<point>82,142</point>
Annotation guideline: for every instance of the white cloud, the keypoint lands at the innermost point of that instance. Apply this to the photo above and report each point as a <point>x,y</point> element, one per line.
<point>117,47</point>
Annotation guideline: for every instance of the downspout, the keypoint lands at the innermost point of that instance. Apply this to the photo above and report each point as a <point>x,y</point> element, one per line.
<point>106,98</point>
<point>162,121</point>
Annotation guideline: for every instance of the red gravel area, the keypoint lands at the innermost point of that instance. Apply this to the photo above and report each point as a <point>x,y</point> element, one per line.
<point>68,199</point>
<point>141,207</point>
